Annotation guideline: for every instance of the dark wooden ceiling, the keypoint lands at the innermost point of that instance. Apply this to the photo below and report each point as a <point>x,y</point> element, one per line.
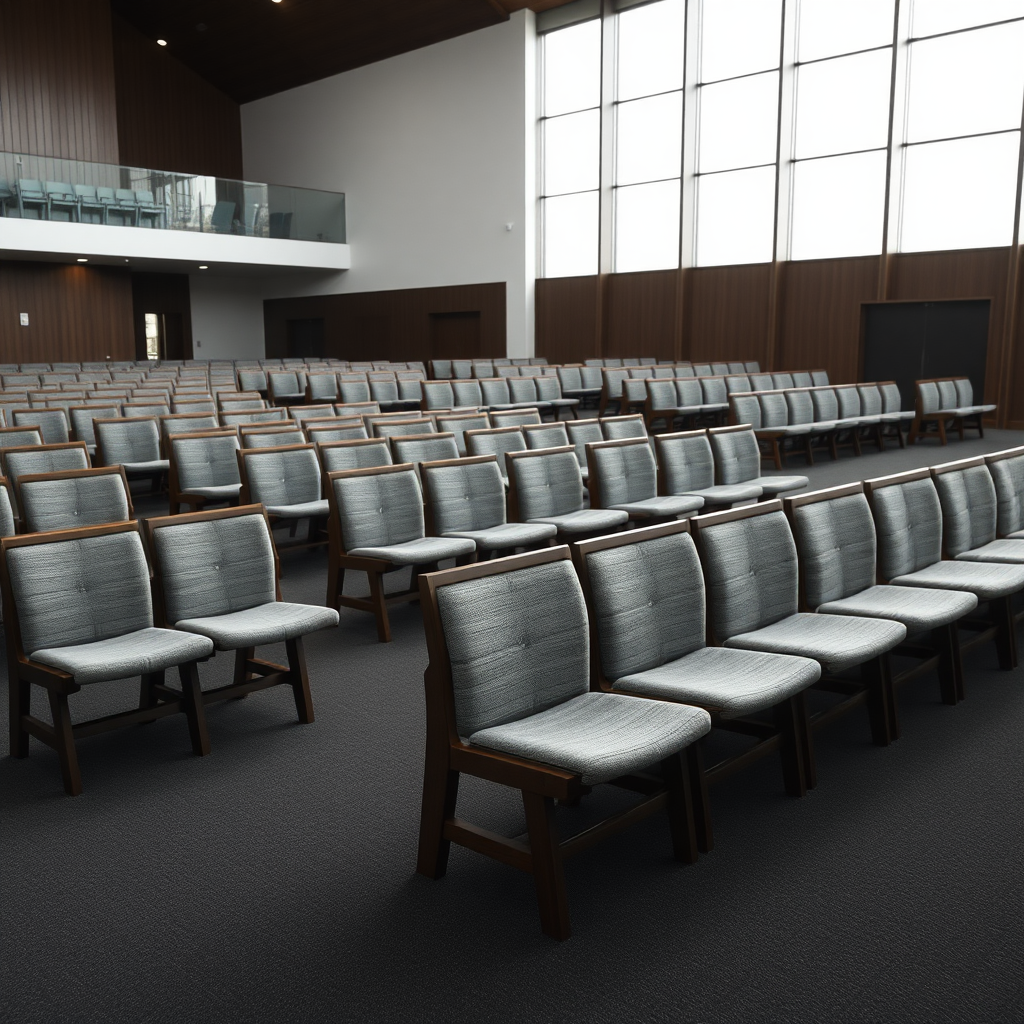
<point>253,48</point>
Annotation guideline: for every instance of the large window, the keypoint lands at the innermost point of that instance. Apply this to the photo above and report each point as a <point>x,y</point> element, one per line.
<point>705,132</point>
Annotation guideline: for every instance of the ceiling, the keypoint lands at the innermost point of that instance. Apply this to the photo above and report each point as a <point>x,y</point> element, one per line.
<point>254,48</point>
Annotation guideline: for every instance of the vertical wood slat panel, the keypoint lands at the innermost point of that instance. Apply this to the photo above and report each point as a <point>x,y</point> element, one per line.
<point>640,314</point>
<point>75,313</point>
<point>57,93</point>
<point>566,318</point>
<point>726,313</point>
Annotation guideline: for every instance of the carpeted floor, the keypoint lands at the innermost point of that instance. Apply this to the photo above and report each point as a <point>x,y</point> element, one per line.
<point>273,880</point>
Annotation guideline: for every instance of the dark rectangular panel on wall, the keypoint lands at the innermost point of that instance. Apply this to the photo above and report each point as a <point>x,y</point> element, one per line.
<point>397,325</point>
<point>640,314</point>
<point>168,117</point>
<point>910,341</point>
<point>726,310</point>
<point>75,313</point>
<point>566,318</point>
<point>962,274</point>
<point>57,95</point>
<point>819,314</point>
<point>162,293</point>
<point>1015,413</point>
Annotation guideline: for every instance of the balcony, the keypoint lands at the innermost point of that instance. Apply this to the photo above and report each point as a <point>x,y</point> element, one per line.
<point>51,208</point>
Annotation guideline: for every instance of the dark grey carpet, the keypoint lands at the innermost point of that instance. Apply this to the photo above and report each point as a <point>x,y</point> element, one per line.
<point>273,880</point>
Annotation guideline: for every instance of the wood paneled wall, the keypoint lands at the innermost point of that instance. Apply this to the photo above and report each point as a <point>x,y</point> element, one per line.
<point>388,325</point>
<point>168,117</point>
<point>812,318</point>
<point>57,93</point>
<point>75,313</point>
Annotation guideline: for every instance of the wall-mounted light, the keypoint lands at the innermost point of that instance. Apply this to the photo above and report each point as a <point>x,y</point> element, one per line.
<point>203,266</point>
<point>82,259</point>
<point>161,42</point>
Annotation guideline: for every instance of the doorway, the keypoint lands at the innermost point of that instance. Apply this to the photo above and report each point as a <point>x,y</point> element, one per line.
<point>455,335</point>
<point>165,336</point>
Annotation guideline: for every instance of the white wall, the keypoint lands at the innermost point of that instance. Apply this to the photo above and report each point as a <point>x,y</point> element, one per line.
<point>227,316</point>
<point>435,152</point>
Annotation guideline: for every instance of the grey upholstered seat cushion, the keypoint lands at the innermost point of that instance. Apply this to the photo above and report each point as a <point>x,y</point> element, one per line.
<point>732,682</point>
<point>987,580</point>
<point>599,736</point>
<point>422,551</point>
<point>153,466</point>
<point>507,535</point>
<point>917,608</point>
<point>1009,550</point>
<point>728,494</point>
<point>220,492</point>
<point>663,505</point>
<point>120,657</point>
<point>302,510</point>
<point>265,624</point>
<point>586,520</point>
<point>772,485</point>
<point>836,641</point>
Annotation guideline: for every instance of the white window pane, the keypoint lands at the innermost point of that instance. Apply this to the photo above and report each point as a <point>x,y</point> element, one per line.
<point>648,138</point>
<point>736,217</point>
<point>572,152</point>
<point>570,235</point>
<point>647,226</point>
<point>829,27</point>
<point>738,37</point>
<point>843,104</point>
<point>944,15</point>
<point>838,206</point>
<point>650,49</point>
<point>959,195</point>
<point>737,122</point>
<point>572,68</point>
<point>966,83</point>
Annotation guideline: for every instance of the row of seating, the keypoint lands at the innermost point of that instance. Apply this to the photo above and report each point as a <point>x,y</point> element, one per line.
<point>45,198</point>
<point>554,671</point>
<point>945,401</point>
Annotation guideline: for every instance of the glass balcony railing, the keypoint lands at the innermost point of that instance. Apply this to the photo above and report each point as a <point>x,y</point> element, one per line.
<point>47,188</point>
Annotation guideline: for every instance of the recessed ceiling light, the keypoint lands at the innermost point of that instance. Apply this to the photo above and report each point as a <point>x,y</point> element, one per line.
<point>161,42</point>
<point>203,266</point>
<point>82,259</point>
<point>276,1</point>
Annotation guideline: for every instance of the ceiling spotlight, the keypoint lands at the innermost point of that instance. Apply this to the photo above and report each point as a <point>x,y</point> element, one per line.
<point>203,266</point>
<point>276,1</point>
<point>82,259</point>
<point>161,42</point>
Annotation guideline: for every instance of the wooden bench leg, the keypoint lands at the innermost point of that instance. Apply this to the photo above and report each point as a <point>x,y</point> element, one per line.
<point>699,795</point>
<point>547,865</point>
<point>791,746</point>
<point>1001,611</point>
<point>942,430</point>
<point>147,698</point>
<point>440,793</point>
<point>195,710</point>
<point>380,606</point>
<point>64,741</point>
<point>947,642</point>
<point>675,771</point>
<point>19,704</point>
<point>874,677</point>
<point>300,679</point>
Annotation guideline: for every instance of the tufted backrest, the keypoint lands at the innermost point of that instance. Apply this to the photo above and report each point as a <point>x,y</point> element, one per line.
<point>458,425</point>
<point>964,391</point>
<point>591,376</point>
<point>424,448</point>
<point>819,377</point>
<point>441,368</point>
<point>947,394</point>
<point>51,423</point>
<point>870,399</point>
<point>466,496</point>
<point>570,378</point>
<point>6,513</point>
<point>324,433</point>
<point>685,461</point>
<point>214,567</point>
<point>826,405</point>
<point>1008,479</point>
<point>514,417</point>
<point>467,392</point>
<point>402,428</point>
<point>623,472</point>
<point>688,391</point>
<point>929,393</point>
<point>437,394</point>
<point>206,461</point>
<point>737,382</point>
<point>462,368</point>
<point>273,438</point>
<point>290,477</point>
<point>376,509</point>
<point>522,389</point>
<point>517,642</point>
<point>354,391</point>
<point>383,390</point>
<point>372,453</point>
<point>774,409</point>
<point>12,437</point>
<point>613,379</point>
<point>322,387</point>
<point>801,379</point>
<point>189,423</point>
<point>750,567</point>
<point>835,539</point>
<point>661,393</point>
<point>129,440</point>
<point>801,408</point>
<point>782,380</point>
<point>849,401</point>
<point>892,401</point>
<point>495,442</point>
<point>43,459</point>
<point>547,483</point>
<point>617,428</point>
<point>483,368</point>
<point>506,370</point>
<point>495,391</point>
<point>761,381</point>
<point>737,455</point>
<point>908,522</point>
<point>285,383</point>
<point>72,502</point>
<point>252,380</point>
<point>968,501</point>
<point>702,369</point>
<point>714,390</point>
<point>581,433</point>
<point>548,388</point>
<point>82,420</point>
<point>647,600</point>
<point>746,409</point>
<point>546,435</point>
<point>79,591</point>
